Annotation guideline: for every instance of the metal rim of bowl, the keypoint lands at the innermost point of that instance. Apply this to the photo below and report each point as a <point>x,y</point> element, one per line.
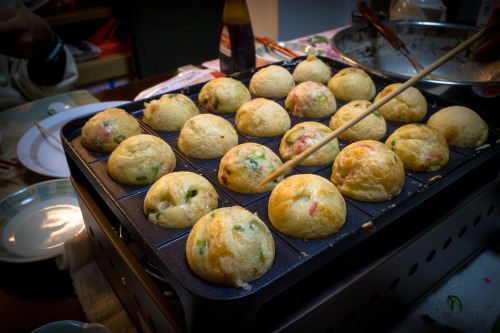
<point>363,26</point>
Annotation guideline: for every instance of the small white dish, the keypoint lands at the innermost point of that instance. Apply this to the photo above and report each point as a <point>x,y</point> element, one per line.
<point>36,221</point>
<point>72,326</point>
<point>40,153</point>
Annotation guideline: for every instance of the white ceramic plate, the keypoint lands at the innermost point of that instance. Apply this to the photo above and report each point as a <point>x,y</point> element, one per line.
<point>42,154</point>
<point>36,221</point>
<point>271,55</point>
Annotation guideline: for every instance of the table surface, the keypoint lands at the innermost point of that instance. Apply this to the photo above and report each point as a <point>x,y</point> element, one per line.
<point>40,291</point>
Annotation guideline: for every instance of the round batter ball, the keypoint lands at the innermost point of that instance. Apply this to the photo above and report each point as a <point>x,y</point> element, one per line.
<point>207,136</point>
<point>307,206</point>
<point>223,95</point>
<point>312,100</point>
<point>460,126</point>
<point>352,83</point>
<point>263,118</point>
<point>272,81</point>
<point>246,165</point>
<point>141,159</point>
<point>368,171</point>
<point>107,129</point>
<point>372,127</point>
<point>179,199</point>
<point>408,106</point>
<point>312,69</point>
<point>421,148</point>
<point>169,112</point>
<point>231,247</point>
<point>304,135</point>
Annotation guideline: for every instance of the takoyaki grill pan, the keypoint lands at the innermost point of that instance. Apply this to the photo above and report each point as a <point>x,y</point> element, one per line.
<point>225,308</point>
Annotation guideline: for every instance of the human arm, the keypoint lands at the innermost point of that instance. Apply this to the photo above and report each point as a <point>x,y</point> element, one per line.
<point>488,49</point>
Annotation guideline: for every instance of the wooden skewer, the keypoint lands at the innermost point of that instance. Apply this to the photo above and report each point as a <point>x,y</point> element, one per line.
<point>46,131</point>
<point>286,167</point>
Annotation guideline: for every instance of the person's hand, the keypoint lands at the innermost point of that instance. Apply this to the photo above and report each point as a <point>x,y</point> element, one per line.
<point>488,49</point>
<point>24,34</point>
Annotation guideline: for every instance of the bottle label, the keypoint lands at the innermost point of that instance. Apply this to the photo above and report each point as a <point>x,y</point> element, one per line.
<point>225,42</point>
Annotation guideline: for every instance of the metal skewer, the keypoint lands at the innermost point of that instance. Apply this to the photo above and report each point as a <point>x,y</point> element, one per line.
<point>286,167</point>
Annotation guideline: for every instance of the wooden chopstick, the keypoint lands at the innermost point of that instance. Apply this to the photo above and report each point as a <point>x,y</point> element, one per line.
<point>286,167</point>
<point>17,165</point>
<point>47,132</point>
<point>276,46</point>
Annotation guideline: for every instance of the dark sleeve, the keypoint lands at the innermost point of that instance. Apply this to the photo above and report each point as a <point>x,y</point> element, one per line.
<point>48,70</point>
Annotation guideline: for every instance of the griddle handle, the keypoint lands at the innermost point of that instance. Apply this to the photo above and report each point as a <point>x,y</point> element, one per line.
<point>391,37</point>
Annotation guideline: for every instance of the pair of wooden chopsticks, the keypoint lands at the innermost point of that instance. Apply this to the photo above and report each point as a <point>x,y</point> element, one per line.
<point>9,163</point>
<point>287,167</point>
<point>277,47</point>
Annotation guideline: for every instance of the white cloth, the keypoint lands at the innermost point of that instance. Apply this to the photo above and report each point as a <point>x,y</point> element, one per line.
<point>98,300</point>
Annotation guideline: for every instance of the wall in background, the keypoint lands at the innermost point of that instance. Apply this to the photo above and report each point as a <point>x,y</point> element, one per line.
<point>297,18</point>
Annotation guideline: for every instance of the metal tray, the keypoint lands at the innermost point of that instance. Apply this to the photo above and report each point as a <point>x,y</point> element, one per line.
<point>296,259</point>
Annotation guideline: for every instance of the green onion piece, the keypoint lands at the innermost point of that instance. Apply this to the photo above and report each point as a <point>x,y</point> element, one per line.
<point>154,169</point>
<point>252,164</point>
<point>119,138</point>
<point>191,193</point>
<point>452,299</point>
<point>253,225</point>
<point>238,228</point>
<point>393,144</point>
<point>202,246</point>
<point>216,104</point>
<point>289,138</point>
<point>321,99</point>
<point>141,178</point>
<point>262,258</point>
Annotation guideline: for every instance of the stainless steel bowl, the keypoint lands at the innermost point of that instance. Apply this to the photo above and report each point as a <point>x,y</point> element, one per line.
<point>466,81</point>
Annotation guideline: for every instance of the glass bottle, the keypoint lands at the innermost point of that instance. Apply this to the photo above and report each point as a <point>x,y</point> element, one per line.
<point>237,45</point>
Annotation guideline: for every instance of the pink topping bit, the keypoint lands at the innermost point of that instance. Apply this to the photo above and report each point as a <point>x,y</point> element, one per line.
<point>367,146</point>
<point>299,148</point>
<point>313,208</point>
<point>169,168</point>
<point>312,84</point>
<point>210,103</point>
<point>304,138</point>
<point>429,159</point>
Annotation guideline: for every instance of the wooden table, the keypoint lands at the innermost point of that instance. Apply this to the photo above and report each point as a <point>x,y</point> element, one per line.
<point>35,294</point>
